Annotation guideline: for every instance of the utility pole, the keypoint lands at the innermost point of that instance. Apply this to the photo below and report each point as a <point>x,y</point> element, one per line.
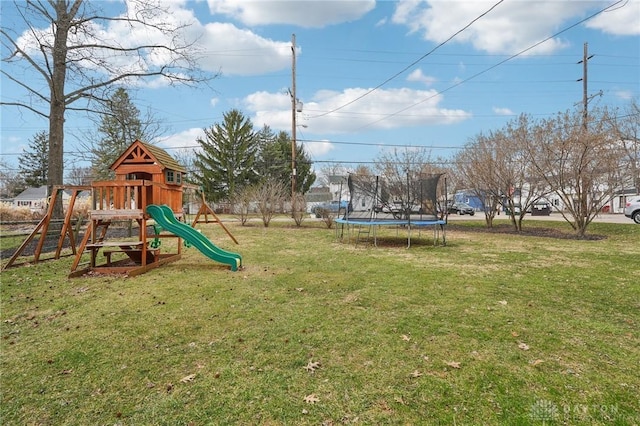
<point>294,101</point>
<point>584,182</point>
<point>585,96</point>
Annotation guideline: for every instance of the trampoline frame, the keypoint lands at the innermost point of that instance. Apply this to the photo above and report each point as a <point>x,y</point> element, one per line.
<point>374,223</point>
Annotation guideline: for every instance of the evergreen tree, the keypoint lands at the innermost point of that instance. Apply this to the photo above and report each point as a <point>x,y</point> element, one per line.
<point>275,161</point>
<point>227,162</point>
<point>272,162</point>
<point>34,161</point>
<point>119,127</point>
<point>305,174</point>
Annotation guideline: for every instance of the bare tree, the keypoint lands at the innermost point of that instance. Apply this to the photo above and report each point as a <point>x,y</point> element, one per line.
<point>11,182</point>
<point>242,203</point>
<point>401,171</point>
<point>332,169</point>
<point>521,185</point>
<point>298,208</point>
<point>76,52</point>
<point>577,160</point>
<point>269,195</point>
<point>479,166</point>
<point>444,167</point>
<point>627,129</point>
<point>80,175</point>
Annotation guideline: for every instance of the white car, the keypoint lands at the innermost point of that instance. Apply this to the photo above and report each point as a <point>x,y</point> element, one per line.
<point>632,209</point>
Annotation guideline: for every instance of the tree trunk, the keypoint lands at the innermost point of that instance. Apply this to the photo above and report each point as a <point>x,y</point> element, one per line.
<point>57,105</point>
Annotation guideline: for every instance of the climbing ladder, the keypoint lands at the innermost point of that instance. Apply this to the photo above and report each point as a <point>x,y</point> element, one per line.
<point>43,227</point>
<point>363,234</point>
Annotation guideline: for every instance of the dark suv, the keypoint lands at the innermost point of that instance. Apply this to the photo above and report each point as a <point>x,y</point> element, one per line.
<point>462,208</point>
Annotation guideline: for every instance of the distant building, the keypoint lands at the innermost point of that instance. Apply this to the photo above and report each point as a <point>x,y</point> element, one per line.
<point>336,191</point>
<point>468,197</point>
<point>338,187</point>
<point>34,199</point>
<point>317,195</point>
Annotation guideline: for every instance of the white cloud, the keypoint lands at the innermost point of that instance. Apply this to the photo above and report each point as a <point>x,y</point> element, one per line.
<point>623,20</point>
<point>507,29</point>
<point>419,76</point>
<point>220,47</point>
<point>185,139</point>
<point>318,148</point>
<point>502,111</point>
<point>381,109</point>
<point>626,95</point>
<point>303,13</point>
<point>235,51</point>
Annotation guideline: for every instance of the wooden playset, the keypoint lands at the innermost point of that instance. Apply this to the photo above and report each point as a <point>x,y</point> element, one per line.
<point>148,190</point>
<point>145,174</point>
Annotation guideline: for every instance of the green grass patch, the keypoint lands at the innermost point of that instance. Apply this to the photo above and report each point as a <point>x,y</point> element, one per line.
<point>490,329</point>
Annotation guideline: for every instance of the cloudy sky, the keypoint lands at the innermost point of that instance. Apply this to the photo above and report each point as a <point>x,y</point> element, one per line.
<point>371,75</point>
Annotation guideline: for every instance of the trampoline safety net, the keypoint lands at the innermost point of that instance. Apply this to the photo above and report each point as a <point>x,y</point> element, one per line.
<point>373,197</point>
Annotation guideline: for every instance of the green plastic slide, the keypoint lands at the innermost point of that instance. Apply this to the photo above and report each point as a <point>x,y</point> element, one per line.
<point>163,215</point>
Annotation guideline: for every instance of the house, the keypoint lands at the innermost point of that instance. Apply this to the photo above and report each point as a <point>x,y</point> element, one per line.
<point>35,199</point>
<point>619,201</point>
<point>468,197</point>
<point>336,191</point>
<point>316,196</point>
<point>338,187</point>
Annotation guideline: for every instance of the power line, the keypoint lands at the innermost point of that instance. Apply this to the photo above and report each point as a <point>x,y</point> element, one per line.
<point>341,142</point>
<point>493,66</point>
<point>411,64</point>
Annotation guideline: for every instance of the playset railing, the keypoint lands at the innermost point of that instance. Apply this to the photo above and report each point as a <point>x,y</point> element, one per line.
<point>130,197</point>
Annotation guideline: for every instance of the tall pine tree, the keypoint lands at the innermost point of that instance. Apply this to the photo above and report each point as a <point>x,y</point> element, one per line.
<point>227,161</point>
<point>119,127</point>
<point>275,161</point>
<point>34,161</point>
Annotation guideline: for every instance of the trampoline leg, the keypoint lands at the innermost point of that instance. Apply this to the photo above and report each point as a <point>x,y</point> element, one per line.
<point>444,235</point>
<point>375,237</point>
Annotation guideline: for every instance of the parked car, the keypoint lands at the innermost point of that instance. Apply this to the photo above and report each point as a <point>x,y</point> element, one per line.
<point>391,207</point>
<point>461,208</point>
<point>632,209</point>
<point>332,207</point>
<point>397,208</point>
<point>540,209</point>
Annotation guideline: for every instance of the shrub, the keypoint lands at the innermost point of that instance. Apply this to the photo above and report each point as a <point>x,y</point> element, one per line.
<point>9,212</point>
<point>81,208</point>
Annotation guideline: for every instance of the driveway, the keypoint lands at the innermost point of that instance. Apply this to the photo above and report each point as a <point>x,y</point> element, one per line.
<point>603,217</point>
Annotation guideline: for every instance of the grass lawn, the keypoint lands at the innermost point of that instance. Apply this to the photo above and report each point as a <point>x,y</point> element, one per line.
<point>490,329</point>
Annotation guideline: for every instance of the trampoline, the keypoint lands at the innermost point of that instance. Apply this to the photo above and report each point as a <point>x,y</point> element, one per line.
<point>374,203</point>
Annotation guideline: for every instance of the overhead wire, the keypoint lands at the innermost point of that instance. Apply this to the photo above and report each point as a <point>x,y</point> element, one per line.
<point>515,55</point>
<point>411,64</point>
<point>449,88</point>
